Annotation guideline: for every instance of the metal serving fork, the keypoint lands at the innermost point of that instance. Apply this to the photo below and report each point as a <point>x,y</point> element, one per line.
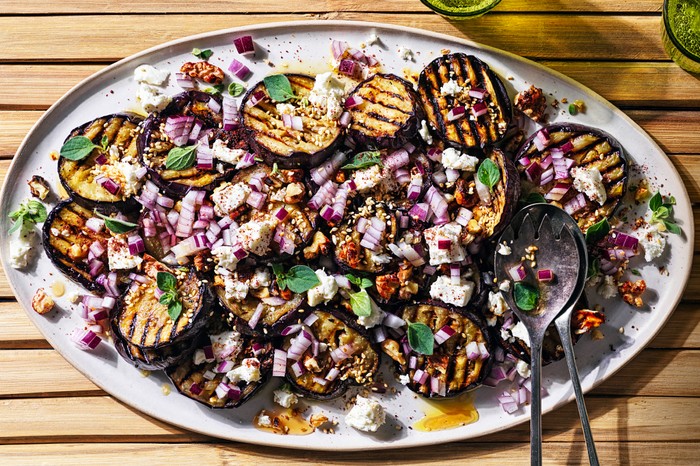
<point>562,249</point>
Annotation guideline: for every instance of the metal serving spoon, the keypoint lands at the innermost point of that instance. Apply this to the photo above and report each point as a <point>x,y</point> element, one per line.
<point>561,248</point>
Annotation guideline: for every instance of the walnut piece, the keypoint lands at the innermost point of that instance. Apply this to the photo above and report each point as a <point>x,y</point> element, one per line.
<point>203,71</point>
<point>41,302</point>
<point>317,420</point>
<point>532,103</point>
<point>319,246</point>
<point>39,187</point>
<point>294,193</point>
<point>391,348</point>
<point>586,320</point>
<point>632,292</point>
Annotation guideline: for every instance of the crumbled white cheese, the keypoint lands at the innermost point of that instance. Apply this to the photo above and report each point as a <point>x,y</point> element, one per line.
<point>590,182</point>
<point>328,94</point>
<point>284,398</point>
<point>445,291</point>
<point>504,249</point>
<point>151,98</point>
<point>404,379</point>
<point>248,371</point>
<point>235,289</point>
<point>451,231</point>
<point>372,39</point>
<point>367,178</point>
<point>225,257</point>
<point>324,291</point>
<point>497,304</point>
<point>452,158</point>
<point>285,109</point>
<point>405,53</point>
<point>150,75</point>
<point>22,247</point>
<point>221,151</point>
<point>260,278</point>
<point>226,345</point>
<point>198,357</point>
<point>379,258</point>
<point>523,368</point>
<point>119,256</point>
<point>375,317</point>
<point>519,331</point>
<point>255,235</point>
<point>425,132</point>
<point>264,420</point>
<point>367,415</point>
<point>451,87</point>
<point>608,289</point>
<point>504,285</point>
<point>130,182</point>
<point>652,242</point>
<point>228,197</point>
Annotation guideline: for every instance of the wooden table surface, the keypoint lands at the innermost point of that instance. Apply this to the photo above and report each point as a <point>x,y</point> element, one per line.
<point>649,413</point>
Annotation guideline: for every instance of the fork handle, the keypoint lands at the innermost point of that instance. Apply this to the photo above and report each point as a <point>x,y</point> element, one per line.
<point>536,406</point>
<point>564,328</point>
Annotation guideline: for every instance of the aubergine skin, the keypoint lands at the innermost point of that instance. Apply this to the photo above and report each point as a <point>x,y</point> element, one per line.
<point>361,133</point>
<point>507,191</point>
<point>191,103</point>
<point>95,130</point>
<point>341,386</point>
<point>448,359</point>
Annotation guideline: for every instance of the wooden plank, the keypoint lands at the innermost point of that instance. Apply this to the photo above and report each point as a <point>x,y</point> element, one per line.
<point>16,330</point>
<point>658,419</point>
<point>649,374</point>
<point>315,6</point>
<point>484,454</point>
<point>532,35</point>
<point>682,330</point>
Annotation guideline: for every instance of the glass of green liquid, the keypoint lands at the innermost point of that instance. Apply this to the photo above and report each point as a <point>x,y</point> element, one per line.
<point>461,9</point>
<point>681,33</point>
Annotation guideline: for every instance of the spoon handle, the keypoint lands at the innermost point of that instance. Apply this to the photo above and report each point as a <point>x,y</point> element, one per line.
<point>563,326</point>
<point>536,406</point>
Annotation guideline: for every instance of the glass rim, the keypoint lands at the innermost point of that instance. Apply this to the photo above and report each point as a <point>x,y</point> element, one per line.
<point>672,36</point>
<point>460,14</point>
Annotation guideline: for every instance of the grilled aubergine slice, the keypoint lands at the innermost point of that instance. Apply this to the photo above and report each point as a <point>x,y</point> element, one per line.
<point>201,377</point>
<point>264,309</point>
<point>86,180</point>
<point>389,115</point>
<point>67,240</point>
<point>154,144</point>
<point>450,370</point>
<point>343,355</point>
<point>550,160</point>
<point>289,147</point>
<point>151,359</point>
<point>141,320</point>
<point>465,102</point>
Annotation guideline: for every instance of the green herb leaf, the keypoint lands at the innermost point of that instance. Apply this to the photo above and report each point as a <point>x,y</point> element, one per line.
<point>279,88</point>
<point>593,268</point>
<point>30,212</point>
<point>672,227</point>
<point>77,148</point>
<point>235,89</point>
<point>166,281</point>
<point>361,303</point>
<point>181,158</point>
<point>278,270</point>
<point>488,173</point>
<point>216,89</point>
<point>202,54</point>
<point>655,202</point>
<point>301,278</point>
<point>532,198</point>
<point>174,309</point>
<point>420,338</point>
<point>364,160</point>
<point>525,296</point>
<point>104,142</point>
<point>359,282</point>
<point>275,169</point>
<point>636,272</point>
<point>597,231</point>
<point>573,109</point>
<point>115,225</point>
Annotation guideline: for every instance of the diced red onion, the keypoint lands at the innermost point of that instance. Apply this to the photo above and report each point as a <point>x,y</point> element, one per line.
<point>479,109</point>
<point>348,67</point>
<point>393,321</point>
<point>577,203</point>
<point>338,47</point>
<point>624,240</point>
<point>397,159</point>
<point>256,98</point>
<point>256,200</point>
<point>444,334</point>
<point>343,352</point>
<point>239,70</point>
<point>231,118</point>
<point>85,339</point>
<point>108,184</point>
<point>244,45</point>
<point>255,318</point>
<point>353,101</point>
<point>456,113</point>
<point>478,93</point>
<point>545,275</point>
<point>420,376</point>
<point>517,272</point>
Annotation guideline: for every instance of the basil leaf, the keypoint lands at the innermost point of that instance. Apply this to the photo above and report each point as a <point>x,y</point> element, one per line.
<point>235,89</point>
<point>636,272</point>
<point>174,309</point>
<point>525,296</point>
<point>301,278</point>
<point>279,88</point>
<point>420,338</point>
<point>593,268</point>
<point>655,202</point>
<point>366,283</point>
<point>597,231</point>
<point>360,303</point>
<point>216,89</point>
<point>181,158</point>
<point>166,281</point>
<point>19,222</point>
<point>115,225</point>
<point>364,160</point>
<point>353,279</point>
<point>488,173</point>
<point>29,212</point>
<point>77,148</point>
<point>278,270</point>
<point>104,142</point>
<point>202,54</point>
<point>672,227</point>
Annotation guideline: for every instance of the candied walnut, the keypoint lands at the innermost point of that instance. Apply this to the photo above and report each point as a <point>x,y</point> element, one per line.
<point>204,71</point>
<point>586,320</point>
<point>391,348</point>
<point>41,302</point>
<point>39,187</point>
<point>319,246</point>
<point>340,177</point>
<point>350,253</point>
<point>387,285</point>
<point>200,262</point>
<point>642,191</point>
<point>632,292</point>
<point>532,103</point>
<point>317,420</point>
<point>473,227</point>
<point>294,193</point>
<point>311,364</point>
<point>408,290</point>
<point>293,175</point>
<point>465,193</point>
